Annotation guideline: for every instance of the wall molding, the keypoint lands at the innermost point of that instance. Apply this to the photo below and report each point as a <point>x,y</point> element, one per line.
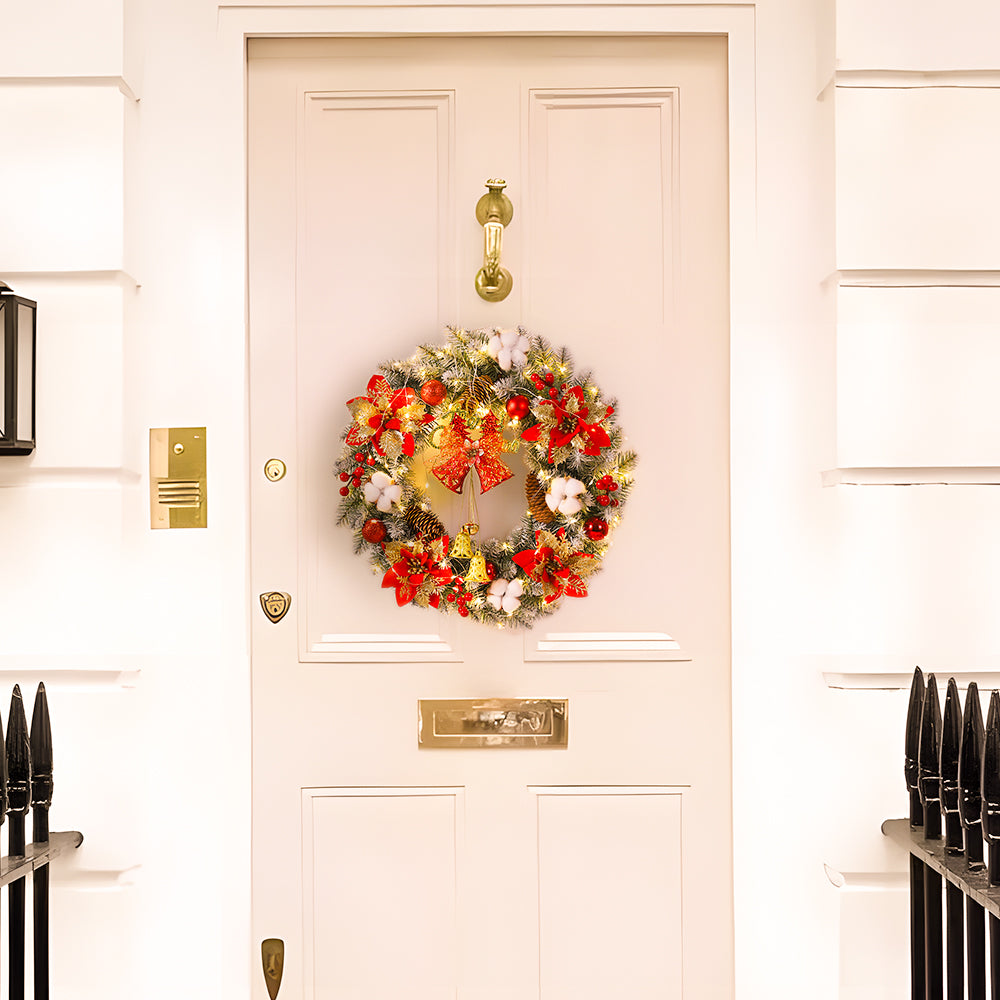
<point>108,276</point>
<point>914,278</point>
<point>937,475</point>
<point>27,476</point>
<point>116,82</point>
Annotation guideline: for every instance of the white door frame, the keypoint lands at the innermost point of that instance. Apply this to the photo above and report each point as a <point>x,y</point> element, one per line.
<point>239,23</point>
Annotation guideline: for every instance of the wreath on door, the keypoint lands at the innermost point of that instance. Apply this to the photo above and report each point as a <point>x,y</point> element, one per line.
<point>462,406</point>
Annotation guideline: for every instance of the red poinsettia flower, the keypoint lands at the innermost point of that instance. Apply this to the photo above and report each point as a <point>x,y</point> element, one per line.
<point>556,566</point>
<point>418,571</point>
<point>566,418</point>
<point>386,409</point>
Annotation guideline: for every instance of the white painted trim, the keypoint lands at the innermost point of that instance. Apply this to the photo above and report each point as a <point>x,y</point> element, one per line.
<point>869,881</point>
<point>907,79</point>
<point>605,646</point>
<point>117,82</point>
<point>940,475</point>
<point>914,278</point>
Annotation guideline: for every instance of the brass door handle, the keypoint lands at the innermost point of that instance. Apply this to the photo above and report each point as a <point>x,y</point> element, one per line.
<point>272,956</point>
<point>494,211</point>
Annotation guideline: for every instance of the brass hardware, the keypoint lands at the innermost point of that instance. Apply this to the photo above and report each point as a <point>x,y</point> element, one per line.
<point>274,469</point>
<point>493,722</point>
<point>178,478</point>
<point>272,957</point>
<point>275,604</point>
<point>493,212</point>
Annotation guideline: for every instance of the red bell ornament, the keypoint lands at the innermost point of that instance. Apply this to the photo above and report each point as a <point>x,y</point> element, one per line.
<point>596,528</point>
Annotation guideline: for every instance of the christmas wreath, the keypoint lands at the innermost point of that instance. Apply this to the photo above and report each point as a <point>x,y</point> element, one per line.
<point>461,406</point>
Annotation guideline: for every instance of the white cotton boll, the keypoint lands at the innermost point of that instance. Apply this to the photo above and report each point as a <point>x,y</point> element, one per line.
<point>390,495</point>
<point>372,492</point>
<point>515,587</point>
<point>556,493</point>
<point>509,338</point>
<point>381,480</point>
<point>518,357</point>
<point>496,593</point>
<point>494,344</point>
<point>570,506</point>
<point>510,603</point>
<point>505,358</point>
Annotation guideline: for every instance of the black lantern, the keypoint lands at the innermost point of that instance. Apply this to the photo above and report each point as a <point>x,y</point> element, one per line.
<point>17,374</point>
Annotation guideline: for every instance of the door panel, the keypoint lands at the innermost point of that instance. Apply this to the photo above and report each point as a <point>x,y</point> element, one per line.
<point>479,874</point>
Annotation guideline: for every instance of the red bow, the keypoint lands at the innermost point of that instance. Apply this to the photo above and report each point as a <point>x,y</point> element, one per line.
<point>459,454</point>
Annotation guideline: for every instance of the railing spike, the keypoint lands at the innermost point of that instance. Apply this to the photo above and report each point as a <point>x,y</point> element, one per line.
<point>41,753</point>
<point>970,776</point>
<point>930,760</point>
<point>990,786</point>
<point>18,756</point>
<point>951,739</point>
<point>911,761</point>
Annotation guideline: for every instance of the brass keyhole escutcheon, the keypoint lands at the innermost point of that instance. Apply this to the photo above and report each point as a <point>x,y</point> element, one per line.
<point>272,956</point>
<point>275,604</point>
<point>274,469</point>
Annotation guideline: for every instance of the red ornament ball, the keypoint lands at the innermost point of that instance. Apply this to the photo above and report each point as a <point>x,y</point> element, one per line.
<point>596,528</point>
<point>518,407</point>
<point>373,530</point>
<point>491,570</point>
<point>433,392</point>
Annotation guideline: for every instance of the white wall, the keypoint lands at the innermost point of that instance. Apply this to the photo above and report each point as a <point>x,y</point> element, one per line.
<point>908,575</point>
<point>125,220</point>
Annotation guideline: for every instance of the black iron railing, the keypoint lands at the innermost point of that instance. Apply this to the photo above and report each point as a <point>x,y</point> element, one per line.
<point>26,782</point>
<point>952,768</point>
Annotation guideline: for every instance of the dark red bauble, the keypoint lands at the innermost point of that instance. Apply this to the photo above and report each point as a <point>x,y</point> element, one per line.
<point>344,477</point>
<point>433,392</point>
<point>373,530</point>
<point>344,491</point>
<point>604,500</point>
<point>491,570</point>
<point>518,407</point>
<point>596,528</point>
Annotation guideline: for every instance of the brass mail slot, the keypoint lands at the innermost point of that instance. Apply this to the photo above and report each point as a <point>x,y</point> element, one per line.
<point>493,722</point>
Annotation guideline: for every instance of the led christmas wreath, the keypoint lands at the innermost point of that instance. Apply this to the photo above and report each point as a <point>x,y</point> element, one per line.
<point>461,406</point>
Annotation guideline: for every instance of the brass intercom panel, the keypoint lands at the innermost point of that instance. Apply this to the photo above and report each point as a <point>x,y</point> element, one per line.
<point>178,478</point>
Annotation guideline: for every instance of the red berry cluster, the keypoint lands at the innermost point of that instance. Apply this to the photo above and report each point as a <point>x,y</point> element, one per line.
<point>545,383</point>
<point>359,470</point>
<point>605,486</point>
<point>456,593</point>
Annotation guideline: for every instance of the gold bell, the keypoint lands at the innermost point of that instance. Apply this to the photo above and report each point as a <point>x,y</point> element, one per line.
<point>461,547</point>
<point>477,570</point>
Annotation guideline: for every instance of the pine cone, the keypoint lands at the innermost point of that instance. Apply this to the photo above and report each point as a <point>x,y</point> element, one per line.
<point>535,494</point>
<point>479,393</point>
<point>423,521</point>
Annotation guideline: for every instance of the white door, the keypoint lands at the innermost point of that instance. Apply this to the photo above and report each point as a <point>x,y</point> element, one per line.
<point>596,871</point>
